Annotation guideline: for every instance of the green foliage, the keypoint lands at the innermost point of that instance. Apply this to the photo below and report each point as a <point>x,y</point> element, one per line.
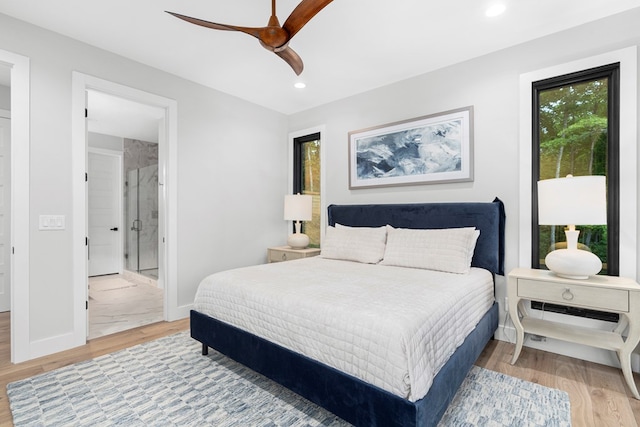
<point>573,140</point>
<point>311,185</point>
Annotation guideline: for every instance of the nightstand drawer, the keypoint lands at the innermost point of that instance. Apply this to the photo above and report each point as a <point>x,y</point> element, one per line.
<point>276,255</point>
<point>286,253</point>
<point>575,295</point>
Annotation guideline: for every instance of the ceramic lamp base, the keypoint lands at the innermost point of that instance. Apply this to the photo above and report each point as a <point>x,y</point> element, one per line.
<point>298,240</point>
<point>573,263</point>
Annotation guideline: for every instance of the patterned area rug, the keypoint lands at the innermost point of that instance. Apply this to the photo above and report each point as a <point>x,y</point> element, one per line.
<point>168,383</point>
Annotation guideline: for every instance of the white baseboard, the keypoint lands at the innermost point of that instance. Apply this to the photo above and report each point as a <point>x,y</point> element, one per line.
<point>180,312</point>
<point>47,346</point>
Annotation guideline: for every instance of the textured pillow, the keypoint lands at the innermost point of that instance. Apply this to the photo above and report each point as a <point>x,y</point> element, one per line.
<point>361,244</point>
<point>449,249</point>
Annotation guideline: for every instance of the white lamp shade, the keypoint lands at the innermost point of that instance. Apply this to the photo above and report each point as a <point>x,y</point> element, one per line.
<point>298,207</point>
<point>572,200</point>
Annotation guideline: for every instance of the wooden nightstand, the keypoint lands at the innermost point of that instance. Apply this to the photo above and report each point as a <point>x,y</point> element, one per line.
<point>602,293</point>
<point>286,253</point>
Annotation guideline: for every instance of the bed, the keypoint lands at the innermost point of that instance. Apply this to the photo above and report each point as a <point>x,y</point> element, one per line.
<point>334,383</point>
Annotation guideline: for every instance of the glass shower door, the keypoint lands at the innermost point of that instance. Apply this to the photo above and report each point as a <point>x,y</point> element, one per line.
<point>142,221</point>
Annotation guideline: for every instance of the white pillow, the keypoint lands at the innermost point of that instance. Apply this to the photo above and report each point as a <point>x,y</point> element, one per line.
<point>361,244</point>
<point>449,249</point>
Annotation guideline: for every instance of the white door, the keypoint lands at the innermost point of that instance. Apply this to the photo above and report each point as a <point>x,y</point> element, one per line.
<point>5,210</point>
<point>104,211</point>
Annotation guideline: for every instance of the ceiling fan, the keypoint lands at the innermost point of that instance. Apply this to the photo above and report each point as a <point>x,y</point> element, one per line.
<point>274,37</point>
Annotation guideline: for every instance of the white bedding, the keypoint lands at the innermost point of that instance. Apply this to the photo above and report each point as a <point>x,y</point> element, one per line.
<point>392,327</point>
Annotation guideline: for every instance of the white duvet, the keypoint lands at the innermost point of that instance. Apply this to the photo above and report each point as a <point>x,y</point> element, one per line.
<point>393,327</point>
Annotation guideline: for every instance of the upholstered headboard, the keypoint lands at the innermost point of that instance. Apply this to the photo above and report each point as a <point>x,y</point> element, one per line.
<point>489,218</point>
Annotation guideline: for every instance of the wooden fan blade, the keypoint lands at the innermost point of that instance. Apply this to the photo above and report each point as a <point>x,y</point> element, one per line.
<point>292,59</point>
<point>255,32</point>
<point>302,14</point>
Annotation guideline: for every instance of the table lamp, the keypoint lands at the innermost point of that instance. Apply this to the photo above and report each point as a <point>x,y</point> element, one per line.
<point>568,201</point>
<point>298,207</point>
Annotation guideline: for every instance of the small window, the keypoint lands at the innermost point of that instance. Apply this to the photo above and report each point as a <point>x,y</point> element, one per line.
<point>306,180</point>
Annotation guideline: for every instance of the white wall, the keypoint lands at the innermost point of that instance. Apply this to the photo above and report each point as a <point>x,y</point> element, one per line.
<point>107,142</point>
<point>489,83</point>
<point>231,176</point>
<point>5,97</point>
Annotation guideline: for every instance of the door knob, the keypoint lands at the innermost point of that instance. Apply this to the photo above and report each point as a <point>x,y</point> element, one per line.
<point>114,229</point>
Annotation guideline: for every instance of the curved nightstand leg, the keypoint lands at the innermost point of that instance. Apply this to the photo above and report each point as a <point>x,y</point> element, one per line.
<point>625,363</point>
<point>518,349</point>
<point>624,353</point>
<point>513,313</point>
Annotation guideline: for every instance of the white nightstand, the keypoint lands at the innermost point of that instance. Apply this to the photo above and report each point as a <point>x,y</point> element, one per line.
<point>286,253</point>
<point>602,293</point>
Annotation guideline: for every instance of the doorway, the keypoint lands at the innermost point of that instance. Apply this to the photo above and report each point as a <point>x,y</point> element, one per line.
<point>123,214</point>
<point>167,186</point>
<point>5,203</point>
<point>14,71</point>
<point>5,200</point>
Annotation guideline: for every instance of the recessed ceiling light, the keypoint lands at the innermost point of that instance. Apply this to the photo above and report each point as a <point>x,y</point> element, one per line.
<point>300,85</point>
<point>495,10</point>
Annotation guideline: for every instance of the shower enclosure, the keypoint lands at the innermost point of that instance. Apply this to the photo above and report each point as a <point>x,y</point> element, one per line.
<point>141,252</point>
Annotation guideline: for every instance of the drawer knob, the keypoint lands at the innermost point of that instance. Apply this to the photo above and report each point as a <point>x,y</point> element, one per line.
<point>567,295</point>
<point>284,257</point>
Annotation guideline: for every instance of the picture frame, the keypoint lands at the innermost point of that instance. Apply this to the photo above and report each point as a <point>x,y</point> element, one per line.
<point>432,149</point>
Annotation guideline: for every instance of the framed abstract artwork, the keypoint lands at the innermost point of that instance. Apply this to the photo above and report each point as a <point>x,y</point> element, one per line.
<point>431,149</point>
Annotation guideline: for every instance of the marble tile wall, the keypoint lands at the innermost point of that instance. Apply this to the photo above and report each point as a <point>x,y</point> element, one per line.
<point>138,154</point>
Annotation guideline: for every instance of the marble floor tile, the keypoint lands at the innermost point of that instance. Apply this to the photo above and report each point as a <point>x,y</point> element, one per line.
<point>117,303</point>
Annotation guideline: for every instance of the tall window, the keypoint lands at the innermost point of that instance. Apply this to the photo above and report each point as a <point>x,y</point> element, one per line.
<point>575,131</point>
<point>306,180</point>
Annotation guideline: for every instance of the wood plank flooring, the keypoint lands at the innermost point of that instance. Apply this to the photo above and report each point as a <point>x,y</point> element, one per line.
<point>599,394</point>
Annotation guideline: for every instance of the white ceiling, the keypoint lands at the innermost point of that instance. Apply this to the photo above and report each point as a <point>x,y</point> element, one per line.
<point>349,47</point>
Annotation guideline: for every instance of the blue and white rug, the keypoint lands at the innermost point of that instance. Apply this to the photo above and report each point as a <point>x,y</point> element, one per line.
<point>168,382</point>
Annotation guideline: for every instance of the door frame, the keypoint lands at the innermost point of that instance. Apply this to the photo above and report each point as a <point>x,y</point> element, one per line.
<point>20,170</point>
<point>119,203</point>
<point>167,203</point>
<point>6,115</point>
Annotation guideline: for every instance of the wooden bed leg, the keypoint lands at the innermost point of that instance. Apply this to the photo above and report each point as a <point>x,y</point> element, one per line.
<point>205,349</point>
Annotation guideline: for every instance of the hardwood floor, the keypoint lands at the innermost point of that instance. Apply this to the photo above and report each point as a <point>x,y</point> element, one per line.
<point>598,394</point>
<point>94,348</point>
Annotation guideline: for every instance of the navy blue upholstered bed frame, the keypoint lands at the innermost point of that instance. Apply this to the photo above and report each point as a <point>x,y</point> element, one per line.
<point>350,398</point>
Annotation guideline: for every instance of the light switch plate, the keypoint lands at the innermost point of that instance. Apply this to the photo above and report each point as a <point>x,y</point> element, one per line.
<point>52,222</point>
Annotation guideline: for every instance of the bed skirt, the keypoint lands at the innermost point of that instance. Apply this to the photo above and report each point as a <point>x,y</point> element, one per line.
<point>348,397</point>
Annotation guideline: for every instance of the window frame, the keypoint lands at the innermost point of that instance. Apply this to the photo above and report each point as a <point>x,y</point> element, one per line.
<point>612,73</point>
<point>297,159</point>
<point>296,178</point>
